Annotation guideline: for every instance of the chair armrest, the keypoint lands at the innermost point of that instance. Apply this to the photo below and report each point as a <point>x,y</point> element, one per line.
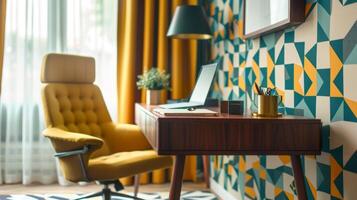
<point>126,137</point>
<point>64,141</point>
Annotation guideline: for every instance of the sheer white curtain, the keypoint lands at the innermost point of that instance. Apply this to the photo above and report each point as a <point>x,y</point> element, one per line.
<point>34,28</point>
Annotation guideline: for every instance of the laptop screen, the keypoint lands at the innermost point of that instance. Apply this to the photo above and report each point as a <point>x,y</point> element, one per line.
<point>203,83</point>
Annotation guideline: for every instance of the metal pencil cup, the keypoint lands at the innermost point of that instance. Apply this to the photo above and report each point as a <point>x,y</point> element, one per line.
<point>268,105</point>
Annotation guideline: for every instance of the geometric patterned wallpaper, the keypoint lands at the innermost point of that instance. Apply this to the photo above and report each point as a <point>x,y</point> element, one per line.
<point>314,67</point>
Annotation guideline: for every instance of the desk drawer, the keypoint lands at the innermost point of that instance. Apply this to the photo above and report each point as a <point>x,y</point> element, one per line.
<point>207,136</point>
<point>148,125</point>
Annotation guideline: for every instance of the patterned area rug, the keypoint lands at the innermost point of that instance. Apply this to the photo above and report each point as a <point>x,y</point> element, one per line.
<point>194,195</point>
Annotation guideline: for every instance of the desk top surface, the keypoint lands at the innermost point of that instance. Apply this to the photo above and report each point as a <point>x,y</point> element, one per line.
<point>225,116</point>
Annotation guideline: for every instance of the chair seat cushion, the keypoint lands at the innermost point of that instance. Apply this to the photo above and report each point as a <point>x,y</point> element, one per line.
<point>125,164</point>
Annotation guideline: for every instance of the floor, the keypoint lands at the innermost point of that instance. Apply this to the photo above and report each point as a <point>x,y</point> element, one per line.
<point>72,189</point>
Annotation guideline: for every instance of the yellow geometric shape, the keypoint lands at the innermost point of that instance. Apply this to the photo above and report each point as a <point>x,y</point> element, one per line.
<point>256,165</point>
<point>215,161</point>
<point>312,188</point>
<point>241,82</point>
<point>247,178</point>
<point>285,159</point>
<point>270,67</point>
<point>256,71</point>
<point>230,72</point>
<point>307,7</point>
<point>290,195</point>
<point>298,72</point>
<point>212,8</point>
<point>230,169</point>
<point>250,192</point>
<point>336,66</point>
<point>311,73</point>
<point>263,174</point>
<point>353,105</point>
<point>277,191</point>
<point>335,171</point>
<point>241,164</point>
<point>240,28</point>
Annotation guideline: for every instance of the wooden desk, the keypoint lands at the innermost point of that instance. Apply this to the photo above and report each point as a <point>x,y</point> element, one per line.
<point>229,135</point>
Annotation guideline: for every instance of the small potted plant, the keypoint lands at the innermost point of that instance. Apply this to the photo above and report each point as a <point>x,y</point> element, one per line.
<point>154,81</point>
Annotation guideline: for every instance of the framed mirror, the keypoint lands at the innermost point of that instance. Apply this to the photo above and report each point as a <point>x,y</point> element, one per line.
<point>265,16</point>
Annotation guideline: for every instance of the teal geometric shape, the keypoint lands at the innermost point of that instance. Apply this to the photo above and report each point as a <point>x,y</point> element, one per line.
<point>351,164</point>
<point>337,154</point>
<point>269,41</point>
<point>249,76</point>
<point>263,76</point>
<point>280,60</point>
<point>297,98</point>
<point>348,114</point>
<point>232,95</point>
<point>307,82</point>
<point>263,161</point>
<point>254,77</point>
<point>336,109</point>
<point>311,55</point>
<point>226,78</point>
<point>242,57</point>
<point>323,82</point>
<point>234,76</point>
<point>325,139</point>
<point>326,5</point>
<point>309,193</point>
<point>323,16</point>
<point>262,43</point>
<point>347,2</point>
<point>321,34</point>
<point>289,37</point>
<point>323,177</point>
<point>320,82</point>
<point>352,58</point>
<point>271,52</point>
<point>339,81</point>
<point>256,57</point>
<point>241,94</point>
<point>300,48</point>
<point>337,46</point>
<point>262,188</point>
<point>303,105</point>
<point>289,77</point>
<point>349,46</point>
<point>311,104</point>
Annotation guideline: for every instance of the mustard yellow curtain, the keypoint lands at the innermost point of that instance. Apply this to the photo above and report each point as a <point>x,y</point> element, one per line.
<point>142,44</point>
<point>2,35</point>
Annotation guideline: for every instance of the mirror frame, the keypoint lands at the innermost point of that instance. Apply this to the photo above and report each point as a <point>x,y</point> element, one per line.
<point>296,15</point>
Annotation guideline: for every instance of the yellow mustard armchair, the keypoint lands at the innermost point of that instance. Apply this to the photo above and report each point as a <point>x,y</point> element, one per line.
<point>89,146</point>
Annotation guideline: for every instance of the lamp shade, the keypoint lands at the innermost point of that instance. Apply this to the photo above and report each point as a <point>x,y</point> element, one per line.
<point>189,22</point>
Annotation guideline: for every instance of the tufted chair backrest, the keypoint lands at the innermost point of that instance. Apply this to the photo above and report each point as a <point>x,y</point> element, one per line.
<point>71,101</point>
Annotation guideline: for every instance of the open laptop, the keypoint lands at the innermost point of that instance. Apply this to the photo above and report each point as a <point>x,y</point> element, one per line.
<point>200,91</point>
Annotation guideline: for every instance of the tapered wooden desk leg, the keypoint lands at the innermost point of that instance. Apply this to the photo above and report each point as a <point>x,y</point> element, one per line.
<point>299,177</point>
<point>176,180</point>
<point>206,170</point>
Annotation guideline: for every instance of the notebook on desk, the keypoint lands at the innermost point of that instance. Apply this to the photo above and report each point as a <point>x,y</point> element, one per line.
<point>185,112</point>
<point>200,91</point>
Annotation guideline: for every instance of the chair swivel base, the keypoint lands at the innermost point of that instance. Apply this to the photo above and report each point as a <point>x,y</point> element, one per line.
<point>106,193</point>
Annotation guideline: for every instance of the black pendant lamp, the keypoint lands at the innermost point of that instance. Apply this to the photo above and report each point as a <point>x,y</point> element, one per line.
<point>189,22</point>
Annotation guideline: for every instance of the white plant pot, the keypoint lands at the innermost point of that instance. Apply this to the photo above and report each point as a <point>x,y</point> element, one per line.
<point>153,97</point>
